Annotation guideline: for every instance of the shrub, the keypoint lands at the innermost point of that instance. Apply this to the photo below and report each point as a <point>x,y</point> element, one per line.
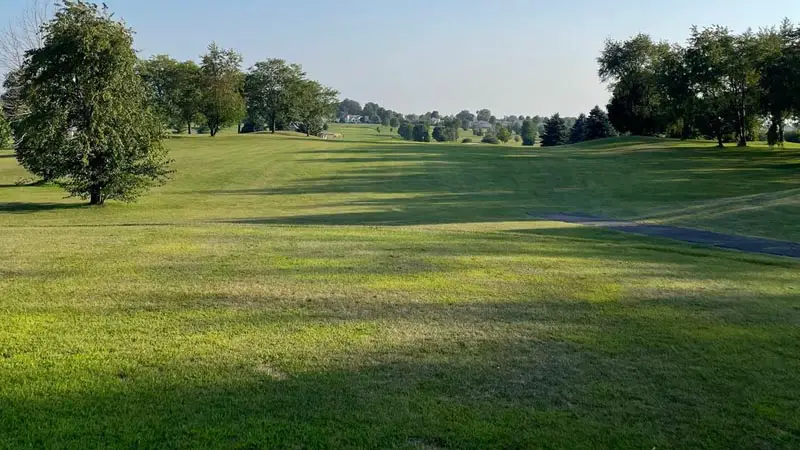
<point>503,134</point>
<point>489,139</point>
<point>792,136</point>
<point>325,127</point>
<point>517,138</point>
<point>466,141</point>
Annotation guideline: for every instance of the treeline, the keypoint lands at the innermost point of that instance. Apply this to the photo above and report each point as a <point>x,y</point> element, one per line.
<point>432,126</point>
<point>718,85</point>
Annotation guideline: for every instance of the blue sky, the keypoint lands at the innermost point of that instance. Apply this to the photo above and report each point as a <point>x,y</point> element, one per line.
<point>514,57</point>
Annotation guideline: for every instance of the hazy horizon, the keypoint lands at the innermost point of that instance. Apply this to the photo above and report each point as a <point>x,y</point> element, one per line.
<point>526,57</point>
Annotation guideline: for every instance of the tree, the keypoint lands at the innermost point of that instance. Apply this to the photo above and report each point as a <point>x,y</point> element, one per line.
<point>174,89</point>
<point>349,107</point>
<point>188,95</point>
<point>394,122</point>
<point>90,127</point>
<point>529,133</point>
<point>273,88</point>
<point>493,120</point>
<point>316,104</point>
<point>221,83</point>
<point>555,132</point>
<point>5,131</point>
<point>421,133</point>
<point>439,134</point>
<point>447,131</point>
<point>484,115</point>
<point>370,111</point>
<point>465,118</point>
<point>630,67</point>
<point>503,134</point>
<point>598,126</point>
<point>580,131</point>
<point>405,131</point>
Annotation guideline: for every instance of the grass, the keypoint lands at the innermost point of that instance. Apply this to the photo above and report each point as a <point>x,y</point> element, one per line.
<point>287,292</point>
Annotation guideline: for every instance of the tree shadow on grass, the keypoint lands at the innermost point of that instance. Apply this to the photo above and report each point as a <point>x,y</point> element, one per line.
<point>608,376</point>
<point>25,207</point>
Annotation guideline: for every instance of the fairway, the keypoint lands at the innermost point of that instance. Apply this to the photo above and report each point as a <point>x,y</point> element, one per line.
<point>283,291</point>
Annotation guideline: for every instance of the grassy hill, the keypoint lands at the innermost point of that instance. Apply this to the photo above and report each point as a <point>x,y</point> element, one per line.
<point>284,291</point>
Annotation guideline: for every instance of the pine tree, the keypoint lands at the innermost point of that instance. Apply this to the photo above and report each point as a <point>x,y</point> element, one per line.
<point>598,126</point>
<point>555,132</point>
<point>579,130</point>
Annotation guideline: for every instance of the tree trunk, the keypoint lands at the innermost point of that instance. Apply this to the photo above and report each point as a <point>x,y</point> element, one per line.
<point>95,196</point>
<point>239,128</point>
<point>273,125</point>
<point>189,127</point>
<point>720,144</point>
<point>212,130</point>
<point>742,123</point>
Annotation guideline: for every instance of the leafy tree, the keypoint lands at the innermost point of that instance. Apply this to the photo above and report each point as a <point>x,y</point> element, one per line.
<point>188,96</point>
<point>370,111</point>
<point>89,127</point>
<point>405,131</point>
<point>493,120</point>
<point>517,138</point>
<point>516,126</point>
<point>221,82</point>
<point>174,89</point>
<point>439,134</point>
<point>315,104</point>
<point>421,133</point>
<point>349,107</point>
<point>465,118</point>
<point>598,125</point>
<point>447,131</point>
<point>484,115</point>
<point>555,132</point>
<point>503,134</point>
<point>394,122</point>
<point>529,133</point>
<point>580,131</point>
<point>631,67</point>
<point>274,89</point>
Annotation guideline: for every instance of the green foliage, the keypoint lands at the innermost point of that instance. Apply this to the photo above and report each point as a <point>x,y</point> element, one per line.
<point>503,134</point>
<point>5,131</point>
<point>349,107</point>
<point>484,115</point>
<point>555,132</point>
<point>490,139</point>
<point>517,138</point>
<point>315,104</point>
<point>394,122</point>
<point>405,130</point>
<point>175,90</point>
<point>579,132</point>
<point>439,134</point>
<point>273,90</point>
<point>421,133</point>
<point>221,82</point>
<point>597,125</point>
<point>466,141</point>
<point>529,133</point>
<point>90,127</point>
<point>465,119</point>
<point>719,84</point>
